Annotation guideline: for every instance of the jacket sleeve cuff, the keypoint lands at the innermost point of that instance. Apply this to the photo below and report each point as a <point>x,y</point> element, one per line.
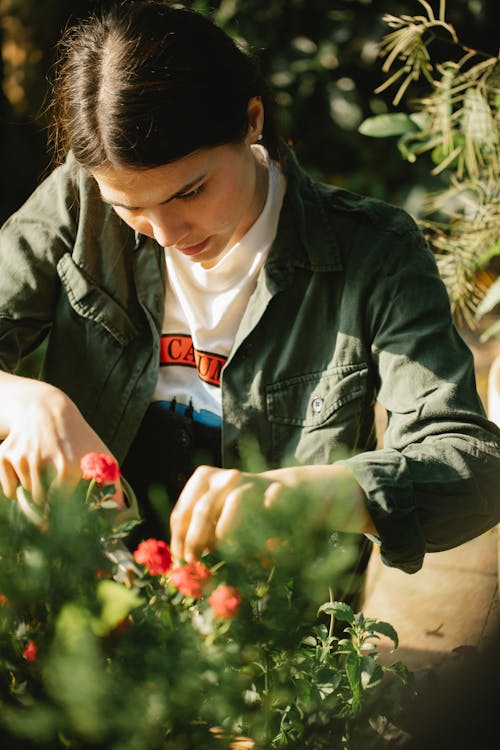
<point>384,477</point>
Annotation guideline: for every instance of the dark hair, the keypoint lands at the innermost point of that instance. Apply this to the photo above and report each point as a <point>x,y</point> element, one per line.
<point>144,84</point>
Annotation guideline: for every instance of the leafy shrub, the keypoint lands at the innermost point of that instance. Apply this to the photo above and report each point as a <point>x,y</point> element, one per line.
<point>98,650</point>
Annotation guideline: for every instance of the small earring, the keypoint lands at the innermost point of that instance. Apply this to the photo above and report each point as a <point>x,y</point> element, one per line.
<point>260,137</point>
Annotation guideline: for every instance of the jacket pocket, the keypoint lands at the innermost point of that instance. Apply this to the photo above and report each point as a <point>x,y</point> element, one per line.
<point>93,303</point>
<point>310,400</point>
<point>315,415</point>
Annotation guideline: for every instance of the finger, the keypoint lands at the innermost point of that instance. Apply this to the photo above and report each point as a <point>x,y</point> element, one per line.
<point>36,487</point>
<point>206,480</point>
<point>272,493</point>
<point>200,534</point>
<point>67,472</point>
<point>180,517</point>
<point>23,470</point>
<point>8,479</point>
<point>230,515</point>
<point>59,477</point>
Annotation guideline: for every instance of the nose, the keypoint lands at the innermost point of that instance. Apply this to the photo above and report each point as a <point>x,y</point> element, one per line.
<point>168,227</point>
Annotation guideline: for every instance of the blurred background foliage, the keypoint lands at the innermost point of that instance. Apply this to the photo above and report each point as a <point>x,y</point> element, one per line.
<point>321,57</point>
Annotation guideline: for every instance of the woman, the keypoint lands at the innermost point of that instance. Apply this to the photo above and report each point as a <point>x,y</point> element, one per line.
<point>200,293</point>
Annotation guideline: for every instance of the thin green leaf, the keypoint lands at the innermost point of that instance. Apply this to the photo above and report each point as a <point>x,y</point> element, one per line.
<point>493,330</point>
<point>492,252</point>
<point>490,300</point>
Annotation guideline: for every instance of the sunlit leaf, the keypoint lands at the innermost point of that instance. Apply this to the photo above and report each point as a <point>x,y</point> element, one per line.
<point>382,126</point>
<point>117,602</point>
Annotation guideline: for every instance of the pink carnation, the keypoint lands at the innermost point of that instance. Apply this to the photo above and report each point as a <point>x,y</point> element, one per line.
<point>30,651</point>
<point>225,602</point>
<point>191,578</point>
<point>100,466</point>
<point>155,555</point>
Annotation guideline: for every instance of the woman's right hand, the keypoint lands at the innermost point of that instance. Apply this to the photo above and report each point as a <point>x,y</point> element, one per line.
<point>44,438</point>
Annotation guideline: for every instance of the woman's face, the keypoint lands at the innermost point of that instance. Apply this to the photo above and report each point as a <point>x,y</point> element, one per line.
<point>200,204</point>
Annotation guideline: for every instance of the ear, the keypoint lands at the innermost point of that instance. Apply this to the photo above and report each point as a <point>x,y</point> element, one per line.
<point>255,111</point>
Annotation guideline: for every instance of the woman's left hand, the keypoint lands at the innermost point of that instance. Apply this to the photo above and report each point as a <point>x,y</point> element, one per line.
<point>209,507</point>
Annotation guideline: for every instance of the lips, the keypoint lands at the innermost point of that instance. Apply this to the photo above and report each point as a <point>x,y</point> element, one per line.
<point>194,249</point>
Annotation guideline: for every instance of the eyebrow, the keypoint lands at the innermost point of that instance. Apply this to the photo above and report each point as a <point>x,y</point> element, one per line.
<point>184,189</point>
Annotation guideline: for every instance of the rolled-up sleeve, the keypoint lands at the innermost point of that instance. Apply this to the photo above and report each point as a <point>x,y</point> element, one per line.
<point>435,483</point>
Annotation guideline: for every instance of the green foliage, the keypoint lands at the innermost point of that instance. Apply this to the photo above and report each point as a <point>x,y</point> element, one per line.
<point>457,123</point>
<point>125,661</point>
<point>319,56</point>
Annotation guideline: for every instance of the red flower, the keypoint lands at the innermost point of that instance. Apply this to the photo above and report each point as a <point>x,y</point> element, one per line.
<point>30,651</point>
<point>225,602</point>
<point>155,555</point>
<point>191,578</point>
<point>3,600</point>
<point>101,467</point>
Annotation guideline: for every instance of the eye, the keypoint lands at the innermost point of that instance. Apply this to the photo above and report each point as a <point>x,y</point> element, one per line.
<point>192,193</point>
<point>125,210</point>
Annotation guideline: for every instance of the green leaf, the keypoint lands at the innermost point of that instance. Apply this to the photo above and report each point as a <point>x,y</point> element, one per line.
<point>117,602</point>
<point>339,610</point>
<point>303,688</point>
<point>421,119</point>
<point>39,723</point>
<point>376,676</point>
<point>310,640</point>
<point>371,672</point>
<point>75,674</point>
<point>383,126</point>
<point>325,689</point>
<point>384,628</point>
<point>401,670</point>
<point>109,504</point>
<point>353,671</point>
<point>123,530</point>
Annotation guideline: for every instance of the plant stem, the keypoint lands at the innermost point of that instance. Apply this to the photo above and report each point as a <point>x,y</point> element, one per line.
<point>332,617</point>
<point>267,697</point>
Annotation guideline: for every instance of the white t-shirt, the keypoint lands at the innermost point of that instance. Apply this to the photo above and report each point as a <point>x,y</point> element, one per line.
<point>204,308</point>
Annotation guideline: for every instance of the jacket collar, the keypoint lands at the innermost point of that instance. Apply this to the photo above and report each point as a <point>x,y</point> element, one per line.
<point>306,235</point>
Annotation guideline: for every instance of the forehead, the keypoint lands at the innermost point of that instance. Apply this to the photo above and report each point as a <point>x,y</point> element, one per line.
<point>137,187</point>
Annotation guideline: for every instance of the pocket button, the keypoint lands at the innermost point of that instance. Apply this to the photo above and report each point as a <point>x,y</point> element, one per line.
<point>317,404</point>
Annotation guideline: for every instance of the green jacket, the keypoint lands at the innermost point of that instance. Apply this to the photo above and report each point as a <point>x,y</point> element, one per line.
<point>349,308</point>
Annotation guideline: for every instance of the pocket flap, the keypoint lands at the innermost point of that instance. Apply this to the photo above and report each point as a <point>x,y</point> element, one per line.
<point>309,400</point>
<point>91,302</point>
